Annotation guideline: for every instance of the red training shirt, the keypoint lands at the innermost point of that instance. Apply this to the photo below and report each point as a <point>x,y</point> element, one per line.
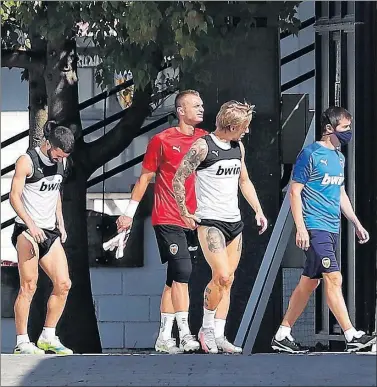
<point>164,154</point>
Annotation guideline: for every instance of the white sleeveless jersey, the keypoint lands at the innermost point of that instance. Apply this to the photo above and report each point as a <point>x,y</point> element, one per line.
<point>217,179</point>
<point>42,189</point>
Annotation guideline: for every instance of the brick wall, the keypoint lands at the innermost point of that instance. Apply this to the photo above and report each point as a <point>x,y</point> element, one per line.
<point>127,300</point>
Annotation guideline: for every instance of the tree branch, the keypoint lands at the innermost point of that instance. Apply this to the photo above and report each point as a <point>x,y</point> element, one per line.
<point>113,143</point>
<point>22,59</point>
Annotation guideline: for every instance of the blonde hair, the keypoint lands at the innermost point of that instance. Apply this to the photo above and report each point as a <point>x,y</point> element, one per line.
<point>234,114</point>
<point>183,94</point>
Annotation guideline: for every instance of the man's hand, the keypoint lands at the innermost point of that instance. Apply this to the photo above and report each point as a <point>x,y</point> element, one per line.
<point>37,233</point>
<point>362,234</point>
<point>124,223</point>
<point>63,233</point>
<point>191,221</point>
<point>302,239</point>
<point>261,222</point>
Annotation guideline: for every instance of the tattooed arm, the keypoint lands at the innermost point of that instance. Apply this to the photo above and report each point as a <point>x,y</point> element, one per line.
<point>190,162</point>
<point>250,194</point>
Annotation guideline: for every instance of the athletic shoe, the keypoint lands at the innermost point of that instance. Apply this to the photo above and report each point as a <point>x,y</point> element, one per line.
<point>188,343</point>
<point>224,345</point>
<point>54,345</point>
<point>28,349</point>
<point>167,346</point>
<point>207,340</point>
<point>361,342</point>
<point>287,345</point>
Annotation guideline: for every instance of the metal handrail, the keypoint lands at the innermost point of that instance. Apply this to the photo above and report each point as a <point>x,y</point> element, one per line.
<point>297,54</point>
<point>304,24</point>
<point>296,81</point>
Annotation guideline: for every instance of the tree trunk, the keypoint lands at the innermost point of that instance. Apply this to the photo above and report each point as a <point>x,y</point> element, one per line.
<point>37,107</point>
<point>78,325</point>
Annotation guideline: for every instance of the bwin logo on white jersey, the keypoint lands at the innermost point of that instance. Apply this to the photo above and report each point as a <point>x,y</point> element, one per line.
<point>228,170</point>
<point>327,179</point>
<point>49,186</point>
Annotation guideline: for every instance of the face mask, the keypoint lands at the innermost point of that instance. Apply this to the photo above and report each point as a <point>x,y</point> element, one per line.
<point>344,137</point>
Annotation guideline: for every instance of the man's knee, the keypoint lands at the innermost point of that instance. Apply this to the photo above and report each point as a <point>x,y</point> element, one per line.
<point>308,284</point>
<point>223,279</point>
<point>28,287</point>
<point>333,279</point>
<point>180,270</point>
<point>62,287</point>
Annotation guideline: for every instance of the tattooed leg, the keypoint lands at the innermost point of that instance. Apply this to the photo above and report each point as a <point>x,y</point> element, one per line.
<point>234,253</point>
<point>213,244</point>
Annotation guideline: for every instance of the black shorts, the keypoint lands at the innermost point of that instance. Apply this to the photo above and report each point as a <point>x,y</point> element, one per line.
<point>175,242</point>
<point>45,246</point>
<point>230,229</point>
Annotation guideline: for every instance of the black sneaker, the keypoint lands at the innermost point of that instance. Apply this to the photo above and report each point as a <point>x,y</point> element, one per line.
<point>359,343</point>
<point>288,346</point>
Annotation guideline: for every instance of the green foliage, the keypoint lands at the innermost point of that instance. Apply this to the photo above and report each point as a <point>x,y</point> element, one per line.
<point>143,35</point>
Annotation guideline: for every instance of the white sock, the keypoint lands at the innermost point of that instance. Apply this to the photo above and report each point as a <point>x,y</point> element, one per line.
<point>350,334</point>
<point>22,339</point>
<point>48,333</point>
<point>182,322</point>
<point>166,325</point>
<point>219,327</point>
<point>283,332</point>
<point>209,318</point>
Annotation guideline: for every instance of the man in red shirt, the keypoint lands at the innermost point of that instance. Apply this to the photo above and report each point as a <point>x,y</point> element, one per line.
<point>163,156</point>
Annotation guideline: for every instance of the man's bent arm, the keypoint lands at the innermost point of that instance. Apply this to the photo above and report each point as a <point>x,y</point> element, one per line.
<point>296,204</point>
<point>247,187</point>
<point>22,170</point>
<point>346,207</point>
<point>190,162</point>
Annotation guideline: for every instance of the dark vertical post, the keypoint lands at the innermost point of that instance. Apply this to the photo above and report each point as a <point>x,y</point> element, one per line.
<point>366,161</point>
<point>253,74</point>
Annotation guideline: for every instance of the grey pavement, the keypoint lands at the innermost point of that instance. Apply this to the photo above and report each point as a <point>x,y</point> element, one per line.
<point>319,369</point>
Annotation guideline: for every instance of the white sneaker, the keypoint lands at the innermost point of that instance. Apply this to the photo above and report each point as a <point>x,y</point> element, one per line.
<point>226,346</point>
<point>27,349</point>
<point>188,343</point>
<point>207,340</point>
<point>54,345</point>
<point>167,346</point>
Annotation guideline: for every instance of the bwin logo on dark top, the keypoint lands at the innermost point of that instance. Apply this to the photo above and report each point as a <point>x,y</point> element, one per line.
<point>228,170</point>
<point>49,187</point>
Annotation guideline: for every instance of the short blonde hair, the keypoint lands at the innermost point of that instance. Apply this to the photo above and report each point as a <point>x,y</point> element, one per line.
<point>182,94</point>
<point>234,114</point>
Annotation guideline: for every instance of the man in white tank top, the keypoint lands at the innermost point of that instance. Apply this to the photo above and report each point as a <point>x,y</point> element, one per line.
<point>218,160</point>
<point>39,233</point>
